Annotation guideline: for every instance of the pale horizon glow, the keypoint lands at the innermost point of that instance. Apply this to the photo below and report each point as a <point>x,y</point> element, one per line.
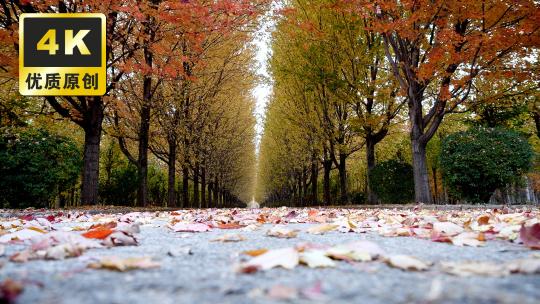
<point>263,90</point>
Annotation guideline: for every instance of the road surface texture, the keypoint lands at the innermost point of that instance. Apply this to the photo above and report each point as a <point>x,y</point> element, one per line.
<point>194,268</point>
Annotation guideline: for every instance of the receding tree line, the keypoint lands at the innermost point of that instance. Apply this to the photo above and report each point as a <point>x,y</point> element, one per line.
<point>178,90</point>
<point>350,75</point>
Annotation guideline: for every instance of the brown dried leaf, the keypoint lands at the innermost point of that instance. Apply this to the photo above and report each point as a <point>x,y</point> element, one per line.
<point>280,231</point>
<point>530,236</point>
<point>406,262</point>
<point>287,258</point>
<point>229,237</point>
<point>124,264</point>
<point>321,229</point>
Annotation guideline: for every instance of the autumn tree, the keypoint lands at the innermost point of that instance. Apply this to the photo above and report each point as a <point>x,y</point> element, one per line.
<point>359,75</point>
<point>311,58</point>
<point>189,111</point>
<point>436,49</point>
<point>175,36</point>
<point>87,112</point>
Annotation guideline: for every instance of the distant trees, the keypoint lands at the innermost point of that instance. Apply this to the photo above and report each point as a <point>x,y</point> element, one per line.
<point>151,45</point>
<point>355,82</point>
<point>350,74</point>
<point>332,86</point>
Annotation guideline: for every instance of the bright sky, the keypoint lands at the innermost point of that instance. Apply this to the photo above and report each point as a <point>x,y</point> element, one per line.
<point>263,90</point>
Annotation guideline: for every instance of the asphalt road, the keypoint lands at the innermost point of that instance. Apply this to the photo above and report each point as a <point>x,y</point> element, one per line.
<point>208,275</point>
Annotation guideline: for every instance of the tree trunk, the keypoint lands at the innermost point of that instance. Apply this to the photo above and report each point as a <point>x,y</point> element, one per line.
<point>210,193</point>
<point>203,188</point>
<point>370,159</point>
<point>314,177</point>
<point>92,138</point>
<point>343,178</point>
<point>171,193</point>
<point>422,192</point>
<point>216,192</point>
<point>436,194</point>
<point>536,117</point>
<point>220,197</point>
<point>300,190</point>
<point>185,186</point>
<point>327,165</point>
<point>144,130</point>
<point>304,186</point>
<point>196,201</point>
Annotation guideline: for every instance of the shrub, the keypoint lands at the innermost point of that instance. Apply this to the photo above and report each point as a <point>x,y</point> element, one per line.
<point>120,188</point>
<point>35,166</point>
<point>477,162</point>
<point>392,181</point>
<point>157,185</point>
<point>357,197</point>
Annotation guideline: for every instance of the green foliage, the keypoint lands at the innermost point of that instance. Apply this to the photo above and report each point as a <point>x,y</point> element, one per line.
<point>12,111</point>
<point>510,114</point>
<point>357,197</point>
<point>392,181</point>
<point>120,188</point>
<point>479,161</point>
<point>36,166</point>
<point>157,185</point>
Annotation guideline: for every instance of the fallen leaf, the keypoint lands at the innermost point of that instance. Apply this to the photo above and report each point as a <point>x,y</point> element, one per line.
<point>10,291</point>
<point>446,228</point>
<point>230,226</point>
<point>530,236</point>
<point>483,219</point>
<point>108,225</point>
<point>100,233</point>
<point>255,252</point>
<point>321,229</point>
<point>43,242</point>
<point>124,264</point>
<point>291,215</point>
<point>316,259</point>
<point>62,251</point>
<point>472,239</point>
<point>313,213</point>
<point>363,251</point>
<point>23,256</point>
<point>230,237</point>
<point>406,262</point>
<point>55,245</point>
<point>21,235</point>
<point>287,258</point>
<point>128,228</point>
<point>280,231</point>
<point>120,238</point>
<point>197,227</point>
<point>465,269</point>
<point>251,227</point>
<point>37,229</point>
